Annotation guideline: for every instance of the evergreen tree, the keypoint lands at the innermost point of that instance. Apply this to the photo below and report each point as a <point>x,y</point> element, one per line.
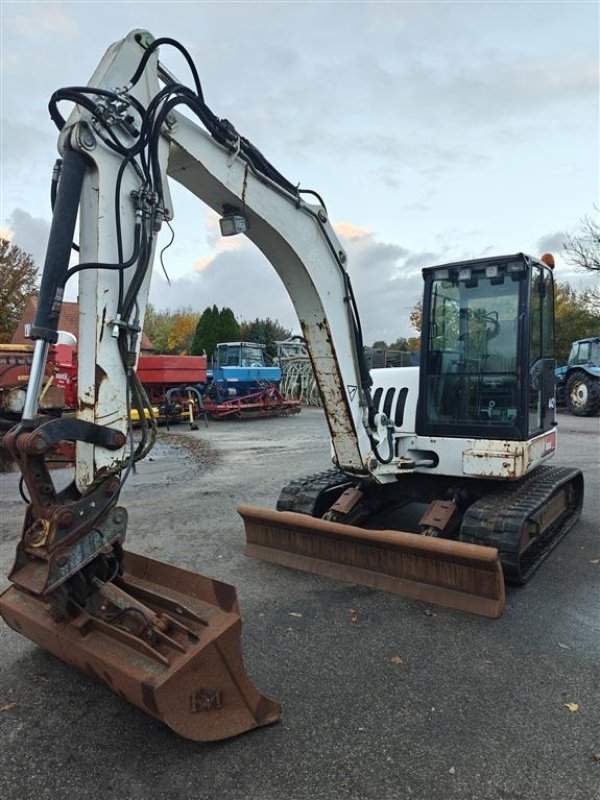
<point>229,329</point>
<point>214,326</point>
<point>265,331</point>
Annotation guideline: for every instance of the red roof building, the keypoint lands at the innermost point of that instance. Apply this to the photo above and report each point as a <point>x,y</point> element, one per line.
<point>68,321</point>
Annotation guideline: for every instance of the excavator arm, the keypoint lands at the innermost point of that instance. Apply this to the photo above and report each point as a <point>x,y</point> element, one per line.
<point>129,134</point>
<point>165,639</point>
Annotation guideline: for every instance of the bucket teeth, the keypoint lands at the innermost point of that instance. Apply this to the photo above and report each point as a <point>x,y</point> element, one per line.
<point>191,676</point>
<point>449,573</point>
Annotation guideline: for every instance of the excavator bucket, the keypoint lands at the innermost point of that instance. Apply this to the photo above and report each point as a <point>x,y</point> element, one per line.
<point>462,576</point>
<point>191,677</point>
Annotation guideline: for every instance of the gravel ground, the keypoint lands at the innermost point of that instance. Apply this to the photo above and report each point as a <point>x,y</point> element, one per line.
<point>383,697</point>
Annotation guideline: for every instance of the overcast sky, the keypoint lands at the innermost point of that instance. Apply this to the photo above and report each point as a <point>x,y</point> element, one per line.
<point>435,131</point>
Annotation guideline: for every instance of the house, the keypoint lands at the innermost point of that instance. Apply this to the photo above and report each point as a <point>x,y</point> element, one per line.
<point>68,321</point>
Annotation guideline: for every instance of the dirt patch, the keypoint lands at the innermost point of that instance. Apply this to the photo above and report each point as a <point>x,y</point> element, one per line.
<point>199,449</point>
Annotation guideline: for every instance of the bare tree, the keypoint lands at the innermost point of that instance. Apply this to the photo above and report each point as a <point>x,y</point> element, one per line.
<point>583,248</point>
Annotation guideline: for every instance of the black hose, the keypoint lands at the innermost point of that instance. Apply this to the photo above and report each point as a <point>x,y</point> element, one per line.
<point>174,43</point>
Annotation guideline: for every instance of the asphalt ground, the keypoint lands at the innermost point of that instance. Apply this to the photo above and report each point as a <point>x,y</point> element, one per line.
<point>383,697</point>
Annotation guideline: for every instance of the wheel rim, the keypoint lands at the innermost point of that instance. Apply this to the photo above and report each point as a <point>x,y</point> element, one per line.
<point>579,394</point>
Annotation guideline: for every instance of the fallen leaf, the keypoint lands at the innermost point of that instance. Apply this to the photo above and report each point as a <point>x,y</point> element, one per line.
<point>295,614</point>
<point>353,615</point>
<point>573,707</point>
<point>429,613</point>
<point>8,706</point>
<point>452,770</point>
<point>597,758</point>
<point>396,660</point>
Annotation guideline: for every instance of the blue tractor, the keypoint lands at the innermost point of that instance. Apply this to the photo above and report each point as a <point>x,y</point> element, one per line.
<point>239,369</point>
<point>578,381</point>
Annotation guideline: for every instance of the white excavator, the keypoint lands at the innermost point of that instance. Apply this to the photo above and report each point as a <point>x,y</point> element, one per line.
<point>467,433</point>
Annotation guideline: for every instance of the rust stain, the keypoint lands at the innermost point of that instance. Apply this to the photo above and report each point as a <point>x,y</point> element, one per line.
<point>102,323</point>
<point>100,377</point>
<point>245,184</point>
<point>339,416</point>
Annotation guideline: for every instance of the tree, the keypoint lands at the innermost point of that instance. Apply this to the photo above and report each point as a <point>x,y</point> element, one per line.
<point>18,284</point>
<point>264,331</point>
<point>583,248</point>
<point>170,331</point>
<point>182,332</point>
<point>214,326</point>
<point>416,316</point>
<point>575,316</point>
<point>400,344</point>
<point>229,328</point>
<point>205,336</point>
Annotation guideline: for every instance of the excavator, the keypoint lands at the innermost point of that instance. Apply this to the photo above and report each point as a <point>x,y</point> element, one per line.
<point>467,433</point>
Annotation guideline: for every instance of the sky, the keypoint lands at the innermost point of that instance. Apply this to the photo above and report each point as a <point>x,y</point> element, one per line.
<point>434,131</point>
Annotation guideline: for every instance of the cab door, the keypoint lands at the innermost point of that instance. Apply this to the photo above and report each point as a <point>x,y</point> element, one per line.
<point>542,363</point>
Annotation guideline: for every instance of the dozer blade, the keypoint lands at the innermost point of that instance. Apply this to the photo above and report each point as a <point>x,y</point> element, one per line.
<point>454,574</point>
<point>192,678</point>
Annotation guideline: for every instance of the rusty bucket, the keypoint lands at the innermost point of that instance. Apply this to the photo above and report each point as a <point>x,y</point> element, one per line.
<point>191,676</point>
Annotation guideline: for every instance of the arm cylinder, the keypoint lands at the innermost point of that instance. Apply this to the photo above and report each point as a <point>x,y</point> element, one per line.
<point>45,329</point>
<point>59,247</point>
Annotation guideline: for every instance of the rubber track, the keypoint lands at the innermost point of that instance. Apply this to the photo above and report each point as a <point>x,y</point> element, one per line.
<point>303,495</point>
<point>499,519</point>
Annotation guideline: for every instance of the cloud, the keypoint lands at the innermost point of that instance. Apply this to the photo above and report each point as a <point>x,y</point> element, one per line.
<point>386,280</point>
<point>348,231</point>
<point>387,284</point>
<point>30,234</point>
<point>552,243</point>
<point>44,19</point>
<point>240,279</point>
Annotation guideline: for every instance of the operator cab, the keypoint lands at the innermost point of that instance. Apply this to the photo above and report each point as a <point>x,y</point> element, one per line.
<point>487,349</point>
<point>240,354</point>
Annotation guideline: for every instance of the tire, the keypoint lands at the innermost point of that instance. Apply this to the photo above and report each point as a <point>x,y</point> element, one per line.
<point>583,394</point>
